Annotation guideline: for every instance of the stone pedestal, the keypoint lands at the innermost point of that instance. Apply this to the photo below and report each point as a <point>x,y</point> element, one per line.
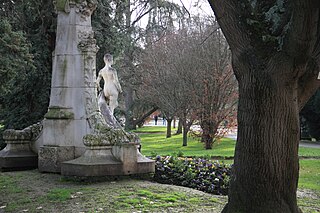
<point>17,155</point>
<point>78,138</point>
<point>100,161</point>
<point>73,89</point>
<point>51,157</point>
<point>96,161</point>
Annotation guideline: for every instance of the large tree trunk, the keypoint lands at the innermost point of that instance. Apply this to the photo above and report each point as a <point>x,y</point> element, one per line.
<point>266,169</point>
<point>276,63</point>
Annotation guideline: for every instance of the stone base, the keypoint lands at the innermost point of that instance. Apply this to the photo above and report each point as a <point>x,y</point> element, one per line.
<point>17,160</point>
<point>100,161</point>
<point>51,157</point>
<point>94,163</point>
<point>145,165</point>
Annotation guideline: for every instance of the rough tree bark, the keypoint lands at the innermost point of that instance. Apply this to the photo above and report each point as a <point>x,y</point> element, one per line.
<point>179,130</point>
<point>128,97</point>
<point>208,128</point>
<point>169,122</point>
<point>275,54</point>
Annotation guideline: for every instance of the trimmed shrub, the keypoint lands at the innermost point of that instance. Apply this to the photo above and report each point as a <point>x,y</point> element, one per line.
<point>205,175</point>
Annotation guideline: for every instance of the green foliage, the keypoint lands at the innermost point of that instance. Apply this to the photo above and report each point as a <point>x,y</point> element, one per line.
<point>109,38</point>
<point>27,41</point>
<point>197,173</point>
<point>17,59</point>
<point>311,112</point>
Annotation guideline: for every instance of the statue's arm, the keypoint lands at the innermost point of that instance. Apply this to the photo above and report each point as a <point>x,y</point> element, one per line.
<point>98,80</point>
<point>116,81</point>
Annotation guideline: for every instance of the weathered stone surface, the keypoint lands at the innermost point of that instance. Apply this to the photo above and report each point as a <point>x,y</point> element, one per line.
<point>51,157</point>
<point>96,161</point>
<point>17,155</point>
<point>100,161</point>
<point>13,160</point>
<point>59,113</point>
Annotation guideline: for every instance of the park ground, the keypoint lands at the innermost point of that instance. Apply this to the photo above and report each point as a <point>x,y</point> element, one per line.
<point>31,191</point>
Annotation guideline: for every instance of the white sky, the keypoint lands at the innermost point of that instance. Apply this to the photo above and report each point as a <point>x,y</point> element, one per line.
<point>203,6</point>
<point>194,7</point>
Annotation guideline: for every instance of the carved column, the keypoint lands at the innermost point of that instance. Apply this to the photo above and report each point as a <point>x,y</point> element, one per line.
<point>72,86</point>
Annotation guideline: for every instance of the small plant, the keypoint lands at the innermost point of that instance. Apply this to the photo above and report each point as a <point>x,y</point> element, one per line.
<point>153,154</point>
<point>59,195</point>
<point>180,154</point>
<point>201,174</point>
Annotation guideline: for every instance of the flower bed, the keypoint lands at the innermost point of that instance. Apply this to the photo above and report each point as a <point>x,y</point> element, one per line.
<point>205,175</point>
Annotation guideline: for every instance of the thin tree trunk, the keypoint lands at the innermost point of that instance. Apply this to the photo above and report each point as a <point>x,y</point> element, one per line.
<point>179,130</point>
<point>186,127</point>
<point>174,122</point>
<point>266,169</point>
<point>207,134</point>
<point>185,137</point>
<point>129,124</point>
<point>141,120</point>
<point>169,121</point>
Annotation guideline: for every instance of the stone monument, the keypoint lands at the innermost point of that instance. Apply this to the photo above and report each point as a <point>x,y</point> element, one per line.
<point>79,136</point>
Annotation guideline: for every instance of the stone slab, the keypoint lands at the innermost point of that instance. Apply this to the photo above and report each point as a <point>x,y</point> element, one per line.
<point>92,167</point>
<point>51,157</point>
<point>100,161</point>
<point>17,160</point>
<point>57,132</point>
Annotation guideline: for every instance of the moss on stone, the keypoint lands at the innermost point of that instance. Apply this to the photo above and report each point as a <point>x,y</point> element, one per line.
<point>60,4</point>
<point>58,113</point>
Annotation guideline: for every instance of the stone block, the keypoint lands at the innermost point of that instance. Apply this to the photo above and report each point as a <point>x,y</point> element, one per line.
<point>95,162</point>
<point>51,157</point>
<point>12,160</point>
<point>127,153</point>
<point>62,132</point>
<point>17,155</point>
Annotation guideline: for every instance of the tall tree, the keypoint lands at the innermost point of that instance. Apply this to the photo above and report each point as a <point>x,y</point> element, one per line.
<point>27,99</point>
<point>16,64</point>
<point>128,15</point>
<point>184,77</point>
<point>275,56</point>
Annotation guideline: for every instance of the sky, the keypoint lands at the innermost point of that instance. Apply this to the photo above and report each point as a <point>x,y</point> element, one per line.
<point>203,6</point>
<point>194,7</point>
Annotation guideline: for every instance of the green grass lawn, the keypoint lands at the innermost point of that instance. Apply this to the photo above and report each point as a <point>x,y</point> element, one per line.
<point>309,177</point>
<point>157,144</point>
<point>154,142</point>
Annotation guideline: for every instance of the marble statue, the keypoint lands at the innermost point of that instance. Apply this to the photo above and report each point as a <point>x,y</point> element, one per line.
<point>112,87</point>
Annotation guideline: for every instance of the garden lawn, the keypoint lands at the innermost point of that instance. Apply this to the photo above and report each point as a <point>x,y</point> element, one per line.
<point>157,144</point>
<point>309,176</point>
<point>154,142</point>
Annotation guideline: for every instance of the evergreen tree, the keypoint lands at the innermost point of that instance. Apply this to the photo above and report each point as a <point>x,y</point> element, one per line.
<point>29,29</point>
<point>311,112</point>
